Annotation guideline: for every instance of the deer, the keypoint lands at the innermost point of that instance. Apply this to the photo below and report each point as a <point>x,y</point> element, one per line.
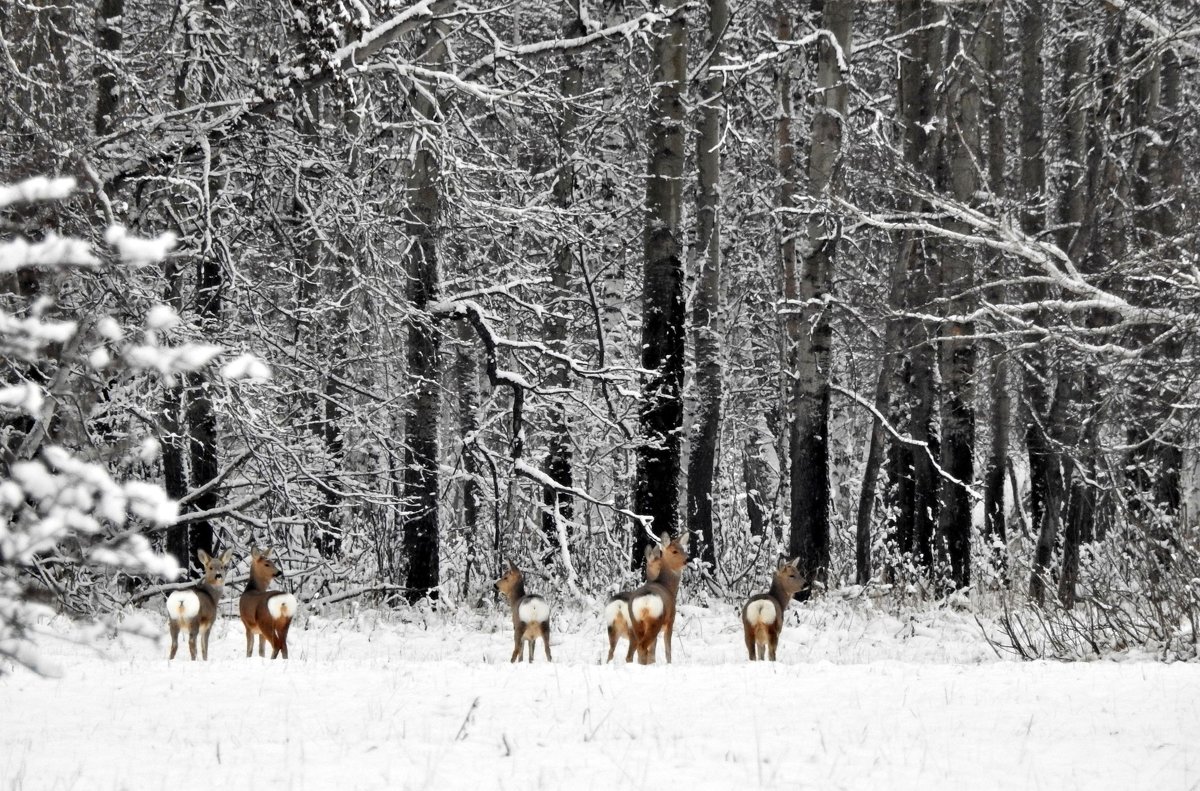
<point>195,608</point>
<point>652,606</point>
<point>264,612</point>
<point>616,612</point>
<point>530,614</point>
<point>762,616</point>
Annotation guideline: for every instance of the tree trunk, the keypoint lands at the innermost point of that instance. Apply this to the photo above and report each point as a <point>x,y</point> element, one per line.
<point>809,535</point>
<point>421,418</point>
<point>921,24</point>
<point>1058,428</point>
<point>556,504</point>
<point>466,382</point>
<point>963,150</point>
<point>994,515</point>
<point>1033,222</point>
<point>109,23</point>
<point>706,320</point>
<point>661,413</point>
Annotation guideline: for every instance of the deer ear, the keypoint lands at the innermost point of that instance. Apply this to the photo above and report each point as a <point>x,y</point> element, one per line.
<point>226,557</point>
<point>664,538</point>
<point>255,553</point>
<point>511,565</point>
<point>266,553</point>
<point>205,558</point>
<point>683,539</point>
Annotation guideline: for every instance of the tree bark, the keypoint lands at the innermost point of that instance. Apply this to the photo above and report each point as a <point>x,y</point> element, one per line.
<point>921,24</point>
<point>809,535</point>
<point>421,418</point>
<point>556,503</point>
<point>963,149</point>
<point>994,515</point>
<point>663,338</point>
<point>706,320</point>
<point>1057,431</point>
<point>109,23</point>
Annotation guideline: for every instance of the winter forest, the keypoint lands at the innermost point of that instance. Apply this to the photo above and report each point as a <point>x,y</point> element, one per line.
<point>409,291</point>
<point>907,290</point>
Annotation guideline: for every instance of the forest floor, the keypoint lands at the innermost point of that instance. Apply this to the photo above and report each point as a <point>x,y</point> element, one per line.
<point>861,698</point>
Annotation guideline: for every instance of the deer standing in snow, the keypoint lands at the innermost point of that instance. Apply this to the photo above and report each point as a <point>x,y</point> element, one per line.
<point>530,614</point>
<point>762,617</point>
<point>195,608</point>
<point>652,606</point>
<point>616,612</point>
<point>266,613</point>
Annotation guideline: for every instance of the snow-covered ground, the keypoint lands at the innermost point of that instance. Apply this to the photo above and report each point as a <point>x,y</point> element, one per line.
<point>861,699</point>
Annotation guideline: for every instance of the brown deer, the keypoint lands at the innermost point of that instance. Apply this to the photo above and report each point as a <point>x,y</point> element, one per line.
<point>195,608</point>
<point>616,612</point>
<point>530,614</point>
<point>652,606</point>
<point>266,613</point>
<point>762,617</point>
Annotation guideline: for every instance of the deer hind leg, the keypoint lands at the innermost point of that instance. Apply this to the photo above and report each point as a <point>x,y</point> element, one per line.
<point>281,633</point>
<point>249,641</point>
<point>545,641</point>
<point>612,642</point>
<point>772,642</point>
<point>518,646</point>
<point>193,630</point>
<point>668,627</point>
<point>174,638</point>
<point>262,641</point>
<point>205,630</point>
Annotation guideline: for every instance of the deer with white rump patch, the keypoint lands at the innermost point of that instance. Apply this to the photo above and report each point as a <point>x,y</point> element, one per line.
<point>530,614</point>
<point>616,612</point>
<point>762,617</point>
<point>195,608</point>
<point>652,606</point>
<point>266,613</point>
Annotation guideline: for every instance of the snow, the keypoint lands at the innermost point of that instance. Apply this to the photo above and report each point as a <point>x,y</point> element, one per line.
<point>861,698</point>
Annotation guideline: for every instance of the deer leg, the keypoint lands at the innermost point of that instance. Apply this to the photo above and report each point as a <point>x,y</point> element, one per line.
<point>204,632</point>
<point>281,635</point>
<point>667,628</point>
<point>249,641</point>
<point>193,628</point>
<point>262,640</point>
<point>175,639</point>
<point>632,647</point>
<point>772,642</point>
<point>517,646</point>
<point>612,642</point>
<point>546,640</point>
<point>748,630</point>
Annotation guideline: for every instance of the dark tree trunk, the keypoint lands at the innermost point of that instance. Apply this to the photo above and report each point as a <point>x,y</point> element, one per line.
<point>963,150</point>
<point>420,217</point>
<point>556,503</point>
<point>109,22</point>
<point>706,321</point>
<point>994,515</point>
<point>466,383</point>
<point>663,338</point>
<point>921,23</point>
<point>1033,222</point>
<point>809,536</point>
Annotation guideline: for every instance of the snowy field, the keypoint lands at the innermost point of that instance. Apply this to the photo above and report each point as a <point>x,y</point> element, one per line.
<point>861,699</point>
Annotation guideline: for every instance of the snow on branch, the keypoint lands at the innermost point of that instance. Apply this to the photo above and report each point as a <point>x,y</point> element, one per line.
<point>1003,236</point>
<point>905,439</point>
<point>1165,34</point>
